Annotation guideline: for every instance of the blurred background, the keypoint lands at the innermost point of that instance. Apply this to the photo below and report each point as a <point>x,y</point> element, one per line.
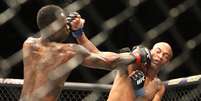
<point>111,25</point>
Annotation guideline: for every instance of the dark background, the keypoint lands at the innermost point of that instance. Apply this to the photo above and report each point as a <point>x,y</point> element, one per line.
<point>148,14</point>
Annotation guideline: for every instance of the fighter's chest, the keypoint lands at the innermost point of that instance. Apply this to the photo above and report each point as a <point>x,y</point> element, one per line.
<point>152,86</point>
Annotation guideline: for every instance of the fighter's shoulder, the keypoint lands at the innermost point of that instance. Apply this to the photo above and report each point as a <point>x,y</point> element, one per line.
<point>156,79</point>
<point>30,40</point>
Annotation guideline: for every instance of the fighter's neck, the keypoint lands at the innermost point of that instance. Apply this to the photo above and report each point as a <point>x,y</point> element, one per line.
<point>151,73</point>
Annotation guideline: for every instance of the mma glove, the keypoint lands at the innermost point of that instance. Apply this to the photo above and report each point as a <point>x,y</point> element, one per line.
<point>76,32</point>
<point>141,55</point>
<point>137,78</point>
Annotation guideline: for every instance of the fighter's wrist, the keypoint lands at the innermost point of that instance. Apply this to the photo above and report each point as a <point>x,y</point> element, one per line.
<point>77,33</point>
<point>132,59</point>
<point>136,58</point>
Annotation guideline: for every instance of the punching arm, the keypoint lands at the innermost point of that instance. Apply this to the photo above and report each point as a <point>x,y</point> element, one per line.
<point>107,60</point>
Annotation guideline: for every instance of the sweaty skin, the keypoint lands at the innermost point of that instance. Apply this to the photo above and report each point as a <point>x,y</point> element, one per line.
<point>122,89</point>
<point>41,58</point>
<point>37,57</point>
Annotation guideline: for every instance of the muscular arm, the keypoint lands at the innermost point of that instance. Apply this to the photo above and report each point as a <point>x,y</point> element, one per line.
<point>102,60</point>
<point>158,96</point>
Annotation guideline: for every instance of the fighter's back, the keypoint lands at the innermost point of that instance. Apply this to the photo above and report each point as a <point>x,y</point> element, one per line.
<point>40,59</point>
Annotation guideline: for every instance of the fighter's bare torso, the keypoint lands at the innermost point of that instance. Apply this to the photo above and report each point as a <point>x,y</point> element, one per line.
<point>151,87</point>
<point>39,60</point>
<point>123,88</point>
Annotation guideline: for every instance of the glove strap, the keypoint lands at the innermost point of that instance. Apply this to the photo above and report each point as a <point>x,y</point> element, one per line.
<point>77,33</point>
<point>137,57</point>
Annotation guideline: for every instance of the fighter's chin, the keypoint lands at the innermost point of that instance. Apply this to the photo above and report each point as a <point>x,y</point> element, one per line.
<point>154,65</point>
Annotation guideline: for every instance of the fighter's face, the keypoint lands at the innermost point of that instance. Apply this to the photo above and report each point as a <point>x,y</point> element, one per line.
<point>161,54</point>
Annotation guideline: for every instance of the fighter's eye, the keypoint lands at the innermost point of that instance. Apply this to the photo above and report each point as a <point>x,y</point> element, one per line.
<point>158,50</point>
<point>166,56</point>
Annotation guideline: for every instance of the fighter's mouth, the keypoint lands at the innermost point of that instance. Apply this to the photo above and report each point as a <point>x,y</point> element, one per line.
<point>156,62</point>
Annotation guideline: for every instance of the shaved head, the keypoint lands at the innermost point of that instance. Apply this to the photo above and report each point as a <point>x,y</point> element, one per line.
<point>165,45</point>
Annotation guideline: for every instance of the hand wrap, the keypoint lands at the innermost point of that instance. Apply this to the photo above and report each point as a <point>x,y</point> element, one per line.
<point>70,18</point>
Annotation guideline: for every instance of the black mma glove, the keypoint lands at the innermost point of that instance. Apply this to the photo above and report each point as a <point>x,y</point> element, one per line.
<point>138,79</point>
<point>70,18</point>
<point>141,55</point>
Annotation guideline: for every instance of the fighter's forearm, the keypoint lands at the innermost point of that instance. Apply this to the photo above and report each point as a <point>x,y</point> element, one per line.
<point>97,62</point>
<point>107,60</point>
<point>125,58</point>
